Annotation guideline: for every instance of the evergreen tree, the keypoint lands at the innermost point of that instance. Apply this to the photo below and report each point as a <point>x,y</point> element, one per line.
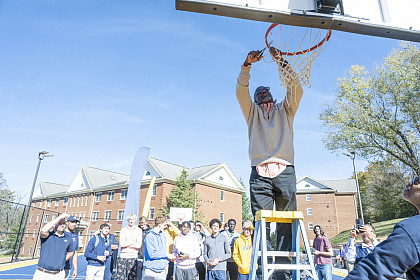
<point>183,196</point>
<point>246,206</point>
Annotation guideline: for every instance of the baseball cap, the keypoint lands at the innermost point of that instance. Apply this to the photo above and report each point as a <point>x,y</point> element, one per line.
<point>72,219</point>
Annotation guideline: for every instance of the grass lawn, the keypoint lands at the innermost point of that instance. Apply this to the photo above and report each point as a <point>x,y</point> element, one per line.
<point>382,229</point>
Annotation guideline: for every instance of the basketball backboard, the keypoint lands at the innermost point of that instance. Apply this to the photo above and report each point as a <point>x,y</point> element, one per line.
<point>397,19</point>
<point>180,214</point>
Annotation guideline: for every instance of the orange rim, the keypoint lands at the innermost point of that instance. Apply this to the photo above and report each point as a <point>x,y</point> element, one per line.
<point>327,37</point>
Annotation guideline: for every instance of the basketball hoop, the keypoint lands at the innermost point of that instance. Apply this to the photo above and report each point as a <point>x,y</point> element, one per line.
<point>180,216</point>
<point>300,48</point>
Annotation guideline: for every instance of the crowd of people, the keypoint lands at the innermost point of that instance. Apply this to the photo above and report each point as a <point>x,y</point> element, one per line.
<point>163,252</point>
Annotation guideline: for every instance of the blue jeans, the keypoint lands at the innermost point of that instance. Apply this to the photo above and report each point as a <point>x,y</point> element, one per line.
<point>243,276</point>
<point>216,275</point>
<point>324,271</point>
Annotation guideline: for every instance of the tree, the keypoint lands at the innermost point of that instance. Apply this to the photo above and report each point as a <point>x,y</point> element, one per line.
<point>246,206</point>
<point>377,113</point>
<point>183,196</point>
<point>383,189</point>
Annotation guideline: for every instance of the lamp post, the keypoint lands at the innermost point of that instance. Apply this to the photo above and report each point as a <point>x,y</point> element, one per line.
<point>352,155</point>
<point>41,156</point>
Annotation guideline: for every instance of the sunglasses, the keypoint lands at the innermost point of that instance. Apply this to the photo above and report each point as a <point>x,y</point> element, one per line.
<point>415,181</point>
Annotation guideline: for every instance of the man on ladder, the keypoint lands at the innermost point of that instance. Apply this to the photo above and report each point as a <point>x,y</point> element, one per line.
<point>270,132</point>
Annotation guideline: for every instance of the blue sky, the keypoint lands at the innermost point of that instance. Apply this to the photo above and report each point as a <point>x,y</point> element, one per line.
<point>92,81</point>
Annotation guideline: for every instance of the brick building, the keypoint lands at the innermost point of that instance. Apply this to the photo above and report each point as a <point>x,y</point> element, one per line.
<point>97,196</point>
<point>329,203</point>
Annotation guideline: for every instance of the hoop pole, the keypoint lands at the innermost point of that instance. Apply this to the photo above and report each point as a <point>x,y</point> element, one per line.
<point>327,37</point>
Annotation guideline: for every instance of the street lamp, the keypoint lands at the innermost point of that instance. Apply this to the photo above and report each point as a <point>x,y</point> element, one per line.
<point>41,156</point>
<point>352,155</point>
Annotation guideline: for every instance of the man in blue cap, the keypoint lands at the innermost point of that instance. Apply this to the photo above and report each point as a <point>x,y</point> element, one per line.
<point>71,224</point>
<point>56,249</point>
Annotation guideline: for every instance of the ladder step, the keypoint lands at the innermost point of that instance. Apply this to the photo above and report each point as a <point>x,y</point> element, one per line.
<point>288,266</point>
<point>279,254</point>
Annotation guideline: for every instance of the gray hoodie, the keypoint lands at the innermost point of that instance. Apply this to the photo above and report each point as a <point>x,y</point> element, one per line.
<point>217,247</point>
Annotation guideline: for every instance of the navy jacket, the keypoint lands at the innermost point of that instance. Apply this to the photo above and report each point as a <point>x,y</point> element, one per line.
<point>92,252</point>
<point>399,253</point>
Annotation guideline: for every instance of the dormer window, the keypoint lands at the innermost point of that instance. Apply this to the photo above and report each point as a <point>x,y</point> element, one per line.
<point>147,173</point>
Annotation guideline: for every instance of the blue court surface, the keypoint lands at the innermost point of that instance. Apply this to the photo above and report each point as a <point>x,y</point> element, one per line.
<point>25,270</point>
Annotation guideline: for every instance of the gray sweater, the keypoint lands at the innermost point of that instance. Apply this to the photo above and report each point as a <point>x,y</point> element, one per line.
<point>217,247</point>
<point>270,134</point>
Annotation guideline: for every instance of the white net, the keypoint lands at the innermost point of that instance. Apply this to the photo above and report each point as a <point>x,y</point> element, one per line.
<point>299,46</point>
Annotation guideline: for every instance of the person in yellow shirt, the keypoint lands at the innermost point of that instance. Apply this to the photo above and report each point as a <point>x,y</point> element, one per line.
<point>242,251</point>
<point>170,231</point>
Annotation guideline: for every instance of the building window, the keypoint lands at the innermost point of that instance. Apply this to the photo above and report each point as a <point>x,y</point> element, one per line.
<point>78,201</point>
<point>86,201</point>
<point>120,215</point>
<point>152,213</point>
<point>74,201</point>
<point>49,202</point>
<point>84,214</point>
<point>33,235</point>
<point>37,218</point>
<point>70,202</point>
<point>107,215</point>
<point>307,186</point>
<point>23,250</point>
<point>81,203</point>
<point>110,196</point>
<point>222,217</point>
<point>66,200</point>
<point>308,197</point>
<point>98,196</point>
<point>47,216</point>
<point>309,211</point>
<point>75,214</point>
<point>222,195</point>
<point>311,226</point>
<point>57,202</point>
<point>30,250</point>
<point>40,204</point>
<point>154,189</point>
<point>30,219</point>
<point>123,194</point>
<point>54,216</point>
<point>27,233</point>
<point>95,215</point>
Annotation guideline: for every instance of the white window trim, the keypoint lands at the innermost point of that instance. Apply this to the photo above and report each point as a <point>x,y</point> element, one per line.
<point>122,217</point>
<point>222,196</point>
<point>220,216</point>
<point>121,197</point>
<point>107,219</point>
<point>93,216</point>
<point>96,196</point>
<point>57,202</point>
<point>112,196</point>
<point>308,211</point>
<point>310,226</point>
<point>150,211</point>
<point>309,197</point>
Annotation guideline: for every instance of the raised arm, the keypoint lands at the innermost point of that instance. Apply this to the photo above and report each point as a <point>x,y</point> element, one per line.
<point>391,258</point>
<point>242,90</point>
<point>294,89</point>
<point>45,230</point>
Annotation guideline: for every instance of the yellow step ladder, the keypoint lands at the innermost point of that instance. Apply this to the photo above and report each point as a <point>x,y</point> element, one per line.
<point>295,218</point>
